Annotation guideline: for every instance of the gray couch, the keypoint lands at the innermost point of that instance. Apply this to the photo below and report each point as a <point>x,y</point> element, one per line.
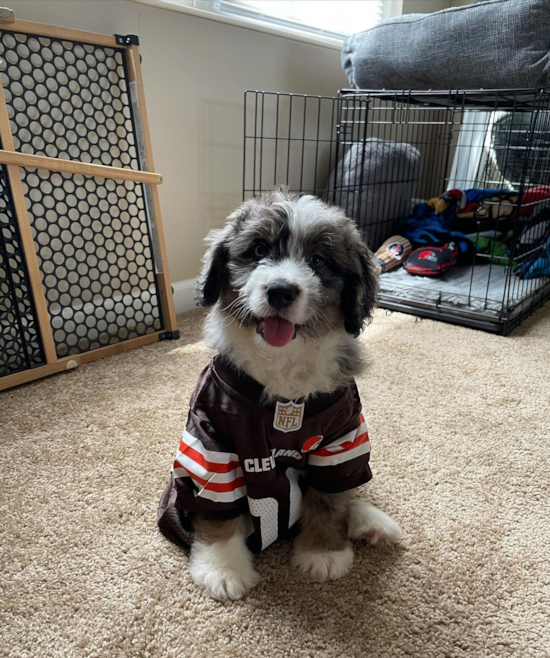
<point>498,44</point>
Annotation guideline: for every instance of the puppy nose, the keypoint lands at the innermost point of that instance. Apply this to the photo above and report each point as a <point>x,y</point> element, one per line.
<point>281,294</point>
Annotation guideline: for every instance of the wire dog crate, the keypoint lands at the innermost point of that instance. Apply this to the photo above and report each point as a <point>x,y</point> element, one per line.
<point>435,167</point>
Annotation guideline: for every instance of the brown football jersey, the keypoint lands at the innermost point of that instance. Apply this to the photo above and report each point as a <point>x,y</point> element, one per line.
<point>242,454</point>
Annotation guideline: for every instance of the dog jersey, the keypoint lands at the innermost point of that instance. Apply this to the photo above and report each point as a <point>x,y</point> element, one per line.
<point>240,454</point>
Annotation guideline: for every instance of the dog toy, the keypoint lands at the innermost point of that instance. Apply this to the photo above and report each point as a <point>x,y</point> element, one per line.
<point>391,253</point>
<point>431,261</point>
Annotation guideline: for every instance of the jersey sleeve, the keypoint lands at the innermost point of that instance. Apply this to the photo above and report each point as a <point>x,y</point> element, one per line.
<point>206,472</point>
<point>341,462</point>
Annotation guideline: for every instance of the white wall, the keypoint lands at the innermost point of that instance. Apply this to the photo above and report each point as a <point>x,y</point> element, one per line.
<point>195,72</point>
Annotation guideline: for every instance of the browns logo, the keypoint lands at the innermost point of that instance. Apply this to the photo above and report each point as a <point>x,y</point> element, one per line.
<point>312,443</point>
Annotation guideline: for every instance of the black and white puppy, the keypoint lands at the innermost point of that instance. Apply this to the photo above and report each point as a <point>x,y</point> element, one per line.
<point>290,284</point>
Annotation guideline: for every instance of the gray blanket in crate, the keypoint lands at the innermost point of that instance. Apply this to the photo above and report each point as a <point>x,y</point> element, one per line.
<point>374,183</point>
<point>499,44</point>
<point>480,288</point>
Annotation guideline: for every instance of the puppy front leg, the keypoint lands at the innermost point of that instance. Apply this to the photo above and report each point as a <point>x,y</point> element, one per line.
<point>322,549</point>
<point>220,561</point>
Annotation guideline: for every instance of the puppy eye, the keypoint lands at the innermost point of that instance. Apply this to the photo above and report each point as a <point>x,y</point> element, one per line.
<point>316,262</point>
<point>260,251</point>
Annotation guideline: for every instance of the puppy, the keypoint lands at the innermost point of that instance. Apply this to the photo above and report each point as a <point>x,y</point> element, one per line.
<point>275,433</point>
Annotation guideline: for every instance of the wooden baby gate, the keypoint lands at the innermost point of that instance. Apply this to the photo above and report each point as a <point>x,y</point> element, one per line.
<point>83,266</point>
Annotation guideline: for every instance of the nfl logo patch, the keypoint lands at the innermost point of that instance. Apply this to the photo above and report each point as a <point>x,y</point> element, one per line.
<point>288,416</point>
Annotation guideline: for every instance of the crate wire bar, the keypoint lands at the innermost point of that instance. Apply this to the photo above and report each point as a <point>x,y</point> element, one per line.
<point>480,139</point>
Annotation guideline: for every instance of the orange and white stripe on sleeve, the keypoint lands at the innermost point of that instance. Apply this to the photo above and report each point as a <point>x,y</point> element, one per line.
<point>348,447</point>
<point>217,476</point>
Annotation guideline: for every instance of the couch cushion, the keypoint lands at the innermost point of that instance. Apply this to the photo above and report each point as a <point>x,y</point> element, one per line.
<point>374,183</point>
<point>498,44</point>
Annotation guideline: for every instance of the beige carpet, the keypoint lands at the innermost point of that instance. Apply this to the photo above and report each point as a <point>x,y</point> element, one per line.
<point>461,438</point>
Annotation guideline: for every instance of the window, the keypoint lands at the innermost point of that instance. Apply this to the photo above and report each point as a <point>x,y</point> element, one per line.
<point>334,19</point>
<point>328,20</point>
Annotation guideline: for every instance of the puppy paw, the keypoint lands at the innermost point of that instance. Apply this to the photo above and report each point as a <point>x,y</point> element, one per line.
<point>223,570</point>
<point>369,524</point>
<point>224,584</point>
<point>321,566</point>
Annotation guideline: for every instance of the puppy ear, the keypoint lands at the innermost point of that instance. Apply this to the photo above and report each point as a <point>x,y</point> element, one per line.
<point>360,288</point>
<point>214,275</point>
<point>214,270</point>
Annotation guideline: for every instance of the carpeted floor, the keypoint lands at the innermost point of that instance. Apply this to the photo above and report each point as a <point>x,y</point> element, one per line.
<point>461,434</point>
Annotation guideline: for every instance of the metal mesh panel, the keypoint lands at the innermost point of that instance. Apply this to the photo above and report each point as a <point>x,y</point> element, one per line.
<point>20,346</point>
<point>94,250</point>
<point>93,237</point>
<point>68,100</point>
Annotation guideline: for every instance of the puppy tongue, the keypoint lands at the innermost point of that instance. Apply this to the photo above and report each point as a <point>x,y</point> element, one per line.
<point>278,332</point>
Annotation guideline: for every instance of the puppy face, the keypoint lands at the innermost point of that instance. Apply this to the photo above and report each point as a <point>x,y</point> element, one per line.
<point>288,266</point>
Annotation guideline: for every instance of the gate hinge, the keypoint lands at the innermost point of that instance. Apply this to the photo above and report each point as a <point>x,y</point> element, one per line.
<point>127,39</point>
<point>169,335</point>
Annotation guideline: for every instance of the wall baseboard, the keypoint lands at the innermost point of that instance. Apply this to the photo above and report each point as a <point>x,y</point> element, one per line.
<point>184,295</point>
